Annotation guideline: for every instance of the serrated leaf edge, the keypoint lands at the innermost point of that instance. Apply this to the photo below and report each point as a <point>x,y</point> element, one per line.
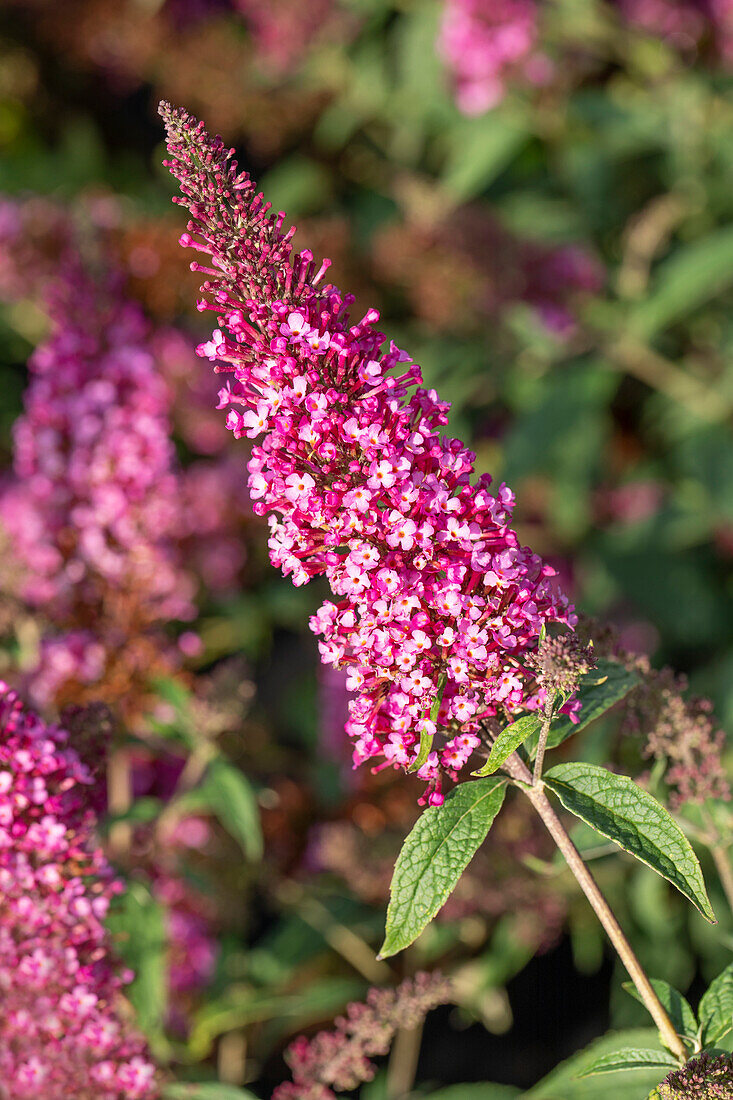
<point>499,783</point>
<point>557,785</point>
<point>608,1063</point>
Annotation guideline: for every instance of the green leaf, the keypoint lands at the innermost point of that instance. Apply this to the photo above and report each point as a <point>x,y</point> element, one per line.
<point>434,856</point>
<point>630,1058</point>
<point>245,1004</point>
<point>426,744</point>
<point>480,149</point>
<point>716,1008</point>
<point>564,1083</point>
<point>426,739</point>
<point>207,1090</point>
<point>692,275</point>
<point>142,811</point>
<point>678,1009</point>
<point>599,690</point>
<point>228,794</point>
<point>481,1090</point>
<point>138,926</point>
<point>376,1089</point>
<point>620,810</point>
<point>510,738</point>
<point>173,692</point>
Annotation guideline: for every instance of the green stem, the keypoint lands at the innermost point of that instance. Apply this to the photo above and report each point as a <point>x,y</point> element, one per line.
<point>720,853</point>
<point>724,869</point>
<point>403,1062</point>
<point>119,801</point>
<point>542,742</point>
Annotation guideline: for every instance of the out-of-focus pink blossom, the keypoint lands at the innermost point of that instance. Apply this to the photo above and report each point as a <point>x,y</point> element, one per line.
<point>63,1028</point>
<point>192,950</point>
<point>487,43</point>
<point>283,30</point>
<point>95,499</point>
<point>94,507</point>
<point>76,656</point>
<point>629,503</point>
<point>687,25</point>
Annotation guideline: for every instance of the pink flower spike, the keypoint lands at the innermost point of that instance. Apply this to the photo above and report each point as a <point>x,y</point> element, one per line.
<point>364,488</point>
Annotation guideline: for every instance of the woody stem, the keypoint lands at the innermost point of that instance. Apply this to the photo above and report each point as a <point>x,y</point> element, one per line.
<point>518,770</point>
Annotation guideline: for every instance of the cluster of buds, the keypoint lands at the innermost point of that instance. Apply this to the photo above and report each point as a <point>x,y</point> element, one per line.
<point>341,1059</point>
<point>560,662</point>
<point>63,1031</point>
<point>674,727</point>
<point>682,731</point>
<point>436,603</point>
<point>704,1078</point>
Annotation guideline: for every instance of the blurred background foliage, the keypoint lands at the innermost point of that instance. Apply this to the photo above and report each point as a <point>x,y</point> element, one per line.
<point>560,262</point>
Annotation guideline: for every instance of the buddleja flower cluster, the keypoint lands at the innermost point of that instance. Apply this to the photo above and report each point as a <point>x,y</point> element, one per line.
<point>63,1031</point>
<point>93,506</point>
<point>341,1059</point>
<point>704,1078</point>
<point>435,602</point>
<point>676,728</point>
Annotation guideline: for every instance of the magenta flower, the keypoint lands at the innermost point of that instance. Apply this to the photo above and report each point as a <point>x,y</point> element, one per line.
<point>64,1030</point>
<point>435,602</point>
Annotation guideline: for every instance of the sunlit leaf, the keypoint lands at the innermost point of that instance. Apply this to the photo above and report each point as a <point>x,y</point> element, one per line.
<point>619,809</point>
<point>435,855</point>
<point>566,1083</point>
<point>510,738</point>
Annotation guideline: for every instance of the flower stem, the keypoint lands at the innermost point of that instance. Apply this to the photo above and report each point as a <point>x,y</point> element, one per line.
<point>542,742</point>
<point>403,1062</point>
<point>119,800</point>
<point>518,770</point>
<point>725,871</point>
